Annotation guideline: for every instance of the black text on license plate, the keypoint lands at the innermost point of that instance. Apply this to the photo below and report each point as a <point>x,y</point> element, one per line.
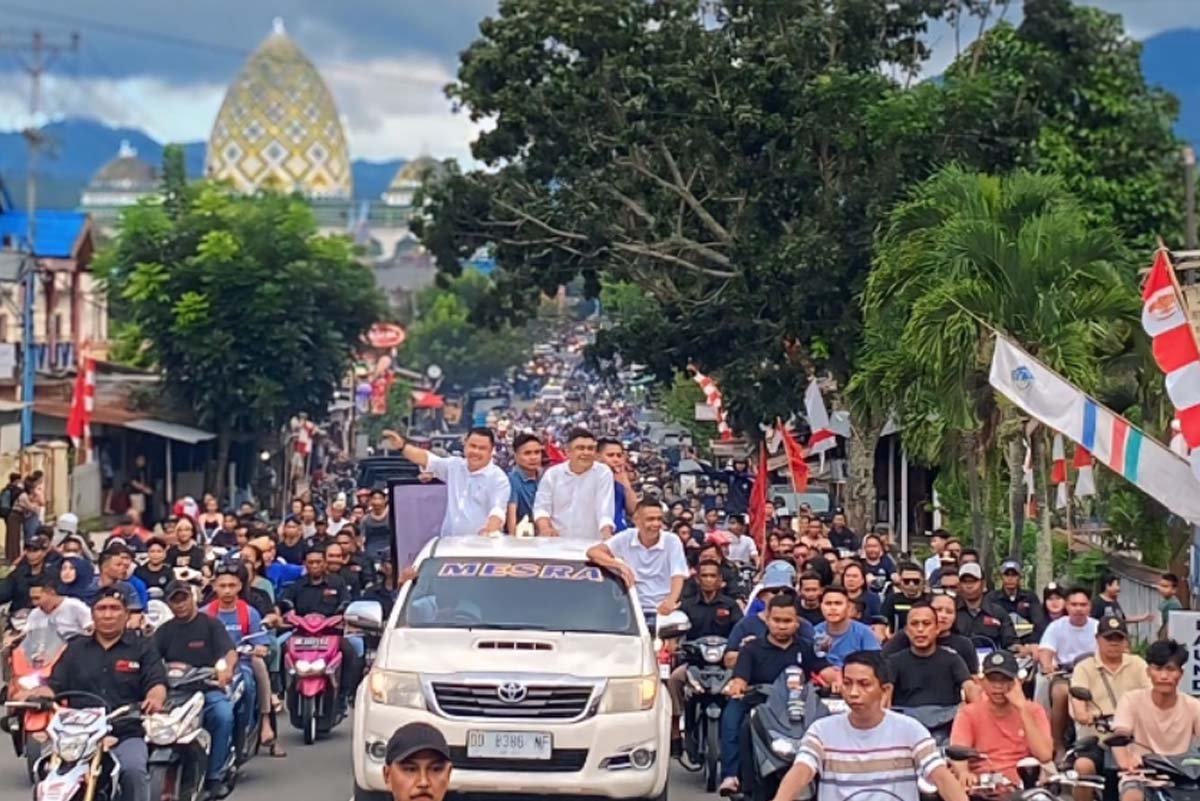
<point>308,642</point>
<point>509,744</point>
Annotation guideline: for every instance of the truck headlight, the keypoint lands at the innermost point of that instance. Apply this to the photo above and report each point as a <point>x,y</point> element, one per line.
<point>390,688</point>
<point>630,695</point>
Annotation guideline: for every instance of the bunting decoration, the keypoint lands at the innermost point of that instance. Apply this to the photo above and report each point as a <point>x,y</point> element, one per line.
<point>83,402</point>
<point>1085,479</point>
<point>1058,472</point>
<point>712,397</point>
<point>822,438</point>
<point>1164,318</point>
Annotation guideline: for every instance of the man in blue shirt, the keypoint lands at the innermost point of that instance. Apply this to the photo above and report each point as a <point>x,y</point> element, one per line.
<point>625,500</point>
<point>245,626</point>
<point>840,635</point>
<point>527,457</point>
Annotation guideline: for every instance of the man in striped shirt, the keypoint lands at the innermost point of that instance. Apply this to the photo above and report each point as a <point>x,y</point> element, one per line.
<point>869,753</point>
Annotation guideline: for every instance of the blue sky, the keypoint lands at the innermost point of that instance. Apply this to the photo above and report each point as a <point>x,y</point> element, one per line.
<point>163,66</point>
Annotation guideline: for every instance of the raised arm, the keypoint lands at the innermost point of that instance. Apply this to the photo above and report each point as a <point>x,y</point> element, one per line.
<point>418,456</point>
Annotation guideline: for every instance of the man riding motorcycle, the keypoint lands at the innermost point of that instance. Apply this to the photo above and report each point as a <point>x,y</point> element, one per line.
<point>1065,642</point>
<point>121,668</point>
<point>322,594</point>
<point>16,588</point>
<point>977,615</point>
<point>198,640</point>
<point>1015,600</point>
<point>920,672</point>
<point>912,589</point>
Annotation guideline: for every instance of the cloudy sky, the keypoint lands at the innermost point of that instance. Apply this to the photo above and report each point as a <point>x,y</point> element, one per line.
<point>163,66</point>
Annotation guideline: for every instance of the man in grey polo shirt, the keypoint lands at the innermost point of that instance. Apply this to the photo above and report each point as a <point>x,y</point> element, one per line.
<point>647,558</point>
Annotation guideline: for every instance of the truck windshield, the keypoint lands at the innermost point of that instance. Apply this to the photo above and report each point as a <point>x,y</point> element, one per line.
<point>509,594</point>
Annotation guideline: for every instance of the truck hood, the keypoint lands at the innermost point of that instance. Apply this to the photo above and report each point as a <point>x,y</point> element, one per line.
<point>479,650</point>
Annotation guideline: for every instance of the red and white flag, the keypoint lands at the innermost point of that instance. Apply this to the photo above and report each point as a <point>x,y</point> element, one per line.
<point>797,466</point>
<point>1165,320</point>
<point>83,402</point>
<point>822,438</point>
<point>1085,479</point>
<point>712,397</point>
<point>1058,472</point>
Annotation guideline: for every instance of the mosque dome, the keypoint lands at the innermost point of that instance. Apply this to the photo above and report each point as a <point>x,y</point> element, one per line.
<point>126,173</point>
<point>408,180</point>
<point>278,127</point>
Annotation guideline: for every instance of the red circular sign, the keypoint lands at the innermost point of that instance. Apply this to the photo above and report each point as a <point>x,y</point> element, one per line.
<point>386,335</point>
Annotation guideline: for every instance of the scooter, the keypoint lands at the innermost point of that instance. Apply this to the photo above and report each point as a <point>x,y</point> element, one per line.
<point>247,726</point>
<point>32,661</point>
<point>313,664</point>
<point>703,701</point>
<point>778,724</point>
<point>79,765</point>
<point>179,744</point>
<point>1169,778</point>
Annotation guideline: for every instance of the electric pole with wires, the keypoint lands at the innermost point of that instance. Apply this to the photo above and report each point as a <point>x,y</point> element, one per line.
<point>36,55</point>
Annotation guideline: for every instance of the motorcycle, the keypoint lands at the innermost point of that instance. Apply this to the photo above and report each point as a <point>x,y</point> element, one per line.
<point>703,701</point>
<point>32,661</point>
<point>788,707</point>
<point>79,765</point>
<point>993,785</point>
<point>313,663</point>
<point>179,744</point>
<point>247,721</point>
<point>1168,778</point>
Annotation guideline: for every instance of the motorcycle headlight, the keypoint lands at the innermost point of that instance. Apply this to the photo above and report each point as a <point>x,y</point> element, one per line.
<point>29,682</point>
<point>306,668</point>
<point>162,731</point>
<point>630,695</point>
<point>783,748</point>
<point>713,654</point>
<point>70,749</point>
<point>390,688</point>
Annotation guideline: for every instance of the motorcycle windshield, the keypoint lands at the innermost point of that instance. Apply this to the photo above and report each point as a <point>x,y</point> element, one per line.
<point>41,646</point>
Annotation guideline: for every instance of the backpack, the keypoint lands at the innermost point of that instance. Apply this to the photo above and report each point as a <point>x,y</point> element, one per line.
<point>243,614</point>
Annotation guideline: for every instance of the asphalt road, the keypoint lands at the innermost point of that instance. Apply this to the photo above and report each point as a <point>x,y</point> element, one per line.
<point>318,772</point>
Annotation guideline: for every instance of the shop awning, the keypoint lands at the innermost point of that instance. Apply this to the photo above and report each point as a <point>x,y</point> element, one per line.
<point>173,431</point>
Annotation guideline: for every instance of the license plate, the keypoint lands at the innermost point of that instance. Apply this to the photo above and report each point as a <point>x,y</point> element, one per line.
<point>664,671</point>
<point>509,744</point>
<point>309,643</point>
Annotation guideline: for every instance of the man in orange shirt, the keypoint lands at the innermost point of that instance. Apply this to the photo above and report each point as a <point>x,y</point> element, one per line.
<point>1002,724</point>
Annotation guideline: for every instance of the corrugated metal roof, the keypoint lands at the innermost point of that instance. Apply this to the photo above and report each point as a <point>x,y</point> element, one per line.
<point>175,431</point>
<point>58,232</point>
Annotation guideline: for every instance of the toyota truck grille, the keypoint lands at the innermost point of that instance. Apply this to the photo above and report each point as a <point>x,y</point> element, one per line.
<point>512,700</point>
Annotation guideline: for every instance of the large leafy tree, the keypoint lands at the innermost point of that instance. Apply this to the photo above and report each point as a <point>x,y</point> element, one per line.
<point>967,254</point>
<point>251,316</point>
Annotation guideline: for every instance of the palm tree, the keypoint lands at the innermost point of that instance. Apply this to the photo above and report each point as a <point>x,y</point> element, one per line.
<point>964,254</point>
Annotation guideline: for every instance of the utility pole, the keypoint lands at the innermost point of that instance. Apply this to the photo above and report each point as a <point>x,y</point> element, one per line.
<point>36,57</point>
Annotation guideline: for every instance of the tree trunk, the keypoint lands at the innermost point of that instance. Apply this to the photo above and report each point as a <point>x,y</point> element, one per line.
<point>1045,543</point>
<point>1014,455</point>
<point>981,537</point>
<point>224,443</point>
<point>860,478</point>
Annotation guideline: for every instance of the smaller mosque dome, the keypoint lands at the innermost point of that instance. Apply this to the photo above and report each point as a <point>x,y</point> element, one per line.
<point>125,173</point>
<point>408,180</point>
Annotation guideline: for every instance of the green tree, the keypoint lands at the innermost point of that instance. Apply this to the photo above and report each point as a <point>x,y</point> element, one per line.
<point>250,315</point>
<point>963,255</point>
<point>445,335</point>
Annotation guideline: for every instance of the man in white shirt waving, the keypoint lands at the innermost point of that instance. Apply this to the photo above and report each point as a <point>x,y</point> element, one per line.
<point>575,499</point>
<point>476,489</point>
<point>647,558</point>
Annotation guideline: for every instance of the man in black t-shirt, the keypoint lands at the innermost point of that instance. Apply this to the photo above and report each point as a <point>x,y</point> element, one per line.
<point>760,661</point>
<point>920,672</point>
<point>201,641</point>
<point>898,602</point>
<point>155,572</point>
<point>809,603</point>
<point>290,547</point>
<point>946,610</point>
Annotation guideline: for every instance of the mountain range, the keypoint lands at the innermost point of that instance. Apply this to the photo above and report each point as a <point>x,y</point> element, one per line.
<point>80,147</point>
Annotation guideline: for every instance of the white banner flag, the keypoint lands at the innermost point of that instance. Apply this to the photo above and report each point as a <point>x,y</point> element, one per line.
<point>1124,449</point>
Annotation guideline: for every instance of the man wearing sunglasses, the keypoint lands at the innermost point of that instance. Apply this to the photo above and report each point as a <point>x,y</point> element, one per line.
<point>899,601</point>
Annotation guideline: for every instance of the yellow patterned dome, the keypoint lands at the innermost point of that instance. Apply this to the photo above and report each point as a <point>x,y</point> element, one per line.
<point>278,128</point>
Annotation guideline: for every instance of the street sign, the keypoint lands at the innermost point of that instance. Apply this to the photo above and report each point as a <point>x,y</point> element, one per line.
<point>1183,626</point>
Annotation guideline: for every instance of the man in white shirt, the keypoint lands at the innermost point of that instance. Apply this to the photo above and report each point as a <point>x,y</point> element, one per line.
<point>647,558</point>
<point>742,547</point>
<point>575,499</point>
<point>476,489</point>
<point>937,544</point>
<point>337,516</point>
<point>68,616</point>
<point>1065,642</point>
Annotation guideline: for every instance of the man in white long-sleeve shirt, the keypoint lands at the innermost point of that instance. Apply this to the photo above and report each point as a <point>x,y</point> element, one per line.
<point>477,490</point>
<point>575,499</point>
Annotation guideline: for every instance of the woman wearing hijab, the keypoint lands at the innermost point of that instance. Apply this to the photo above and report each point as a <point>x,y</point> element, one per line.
<point>77,579</point>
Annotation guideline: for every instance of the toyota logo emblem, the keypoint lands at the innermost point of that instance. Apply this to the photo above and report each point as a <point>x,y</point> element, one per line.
<point>512,692</point>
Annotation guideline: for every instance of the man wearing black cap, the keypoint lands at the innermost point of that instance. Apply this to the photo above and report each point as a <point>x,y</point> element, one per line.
<point>417,764</point>
<point>16,587</point>
<point>1014,600</point>
<point>978,616</point>
<point>121,668</point>
<point>202,641</point>
<point>323,594</point>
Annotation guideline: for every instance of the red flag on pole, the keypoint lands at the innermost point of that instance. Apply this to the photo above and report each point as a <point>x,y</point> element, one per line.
<point>758,500</point>
<point>796,463</point>
<point>83,400</point>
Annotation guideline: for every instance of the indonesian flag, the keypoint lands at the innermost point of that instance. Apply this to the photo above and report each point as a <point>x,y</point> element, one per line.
<point>796,464</point>
<point>1174,344</point>
<point>758,500</point>
<point>822,438</point>
<point>712,397</point>
<point>554,454</point>
<point>1058,472</point>
<point>83,401</point>
<point>1085,480</point>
